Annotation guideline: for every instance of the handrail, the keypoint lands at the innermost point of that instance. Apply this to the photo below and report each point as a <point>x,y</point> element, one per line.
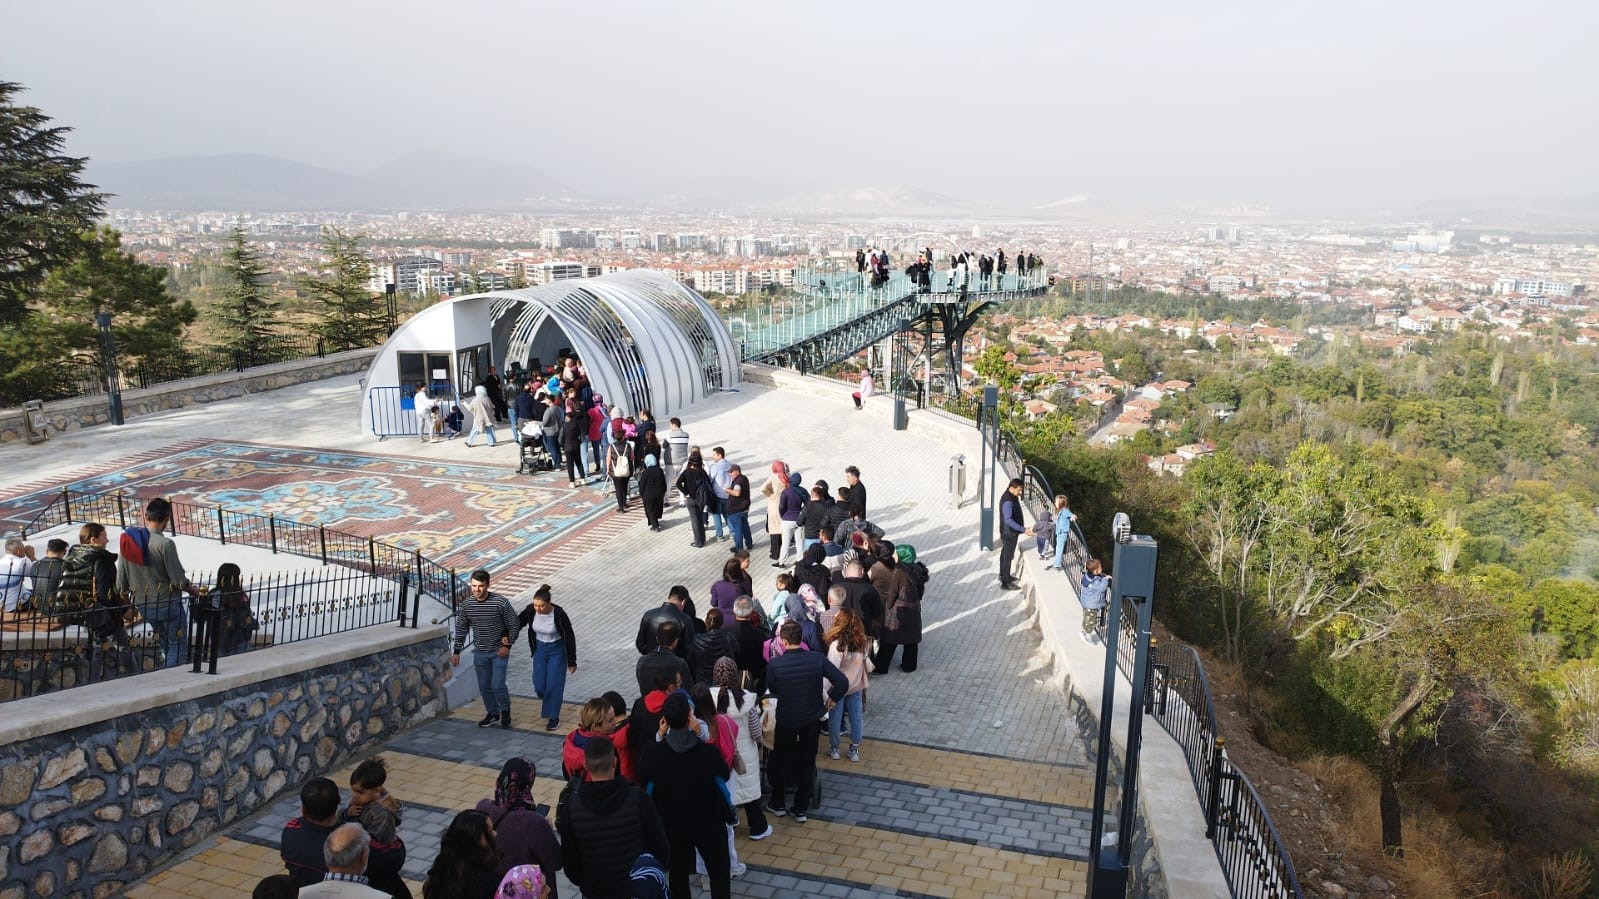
<point>280,535</point>
<point>1240,829</point>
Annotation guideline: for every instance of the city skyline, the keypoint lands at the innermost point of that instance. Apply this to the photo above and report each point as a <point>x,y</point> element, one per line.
<point>1016,104</point>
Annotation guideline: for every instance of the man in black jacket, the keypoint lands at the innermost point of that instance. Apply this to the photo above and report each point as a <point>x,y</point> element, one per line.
<point>857,490</point>
<point>300,844</point>
<point>671,610</point>
<point>792,678</point>
<point>751,637</point>
<point>605,823</point>
<point>683,772</point>
<point>859,591</point>
<point>667,640</point>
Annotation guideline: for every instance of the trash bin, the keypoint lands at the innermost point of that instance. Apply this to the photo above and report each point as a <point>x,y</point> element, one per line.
<point>902,419</point>
<point>33,421</point>
<point>957,479</point>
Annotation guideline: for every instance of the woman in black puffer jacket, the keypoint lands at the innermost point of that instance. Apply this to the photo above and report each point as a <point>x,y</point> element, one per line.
<point>716,641</point>
<point>91,570</point>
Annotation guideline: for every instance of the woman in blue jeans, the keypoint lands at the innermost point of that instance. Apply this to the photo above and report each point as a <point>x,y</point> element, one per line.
<point>847,648</point>
<point>554,652</point>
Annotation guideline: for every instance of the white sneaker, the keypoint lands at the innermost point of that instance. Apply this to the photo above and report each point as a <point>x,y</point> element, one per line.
<point>738,869</point>
<point>757,837</point>
<point>833,753</point>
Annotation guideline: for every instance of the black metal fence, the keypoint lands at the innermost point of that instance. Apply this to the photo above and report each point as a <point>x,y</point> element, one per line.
<point>376,583</point>
<point>59,651</point>
<point>1237,823</point>
<point>280,535</point>
<point>85,378</point>
<point>1252,855</point>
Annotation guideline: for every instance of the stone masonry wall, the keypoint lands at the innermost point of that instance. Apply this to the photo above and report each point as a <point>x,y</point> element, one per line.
<point>82,412</point>
<point>84,811</point>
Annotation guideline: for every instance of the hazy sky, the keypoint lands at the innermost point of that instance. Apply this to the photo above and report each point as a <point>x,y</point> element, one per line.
<point>1268,101</point>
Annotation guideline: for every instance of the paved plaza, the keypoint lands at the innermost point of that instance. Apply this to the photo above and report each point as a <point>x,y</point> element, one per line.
<point>973,779</point>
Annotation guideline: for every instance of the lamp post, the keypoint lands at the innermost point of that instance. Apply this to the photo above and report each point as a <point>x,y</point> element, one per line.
<point>108,364</point>
<point>988,421</point>
<point>1134,570</point>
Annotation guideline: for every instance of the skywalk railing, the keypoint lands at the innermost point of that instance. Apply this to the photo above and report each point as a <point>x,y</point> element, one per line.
<point>1240,829</point>
<point>1251,852</point>
<point>825,299</point>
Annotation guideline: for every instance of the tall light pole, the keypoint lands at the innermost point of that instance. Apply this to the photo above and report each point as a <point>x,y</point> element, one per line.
<point>988,420</point>
<point>108,365</point>
<point>1134,570</point>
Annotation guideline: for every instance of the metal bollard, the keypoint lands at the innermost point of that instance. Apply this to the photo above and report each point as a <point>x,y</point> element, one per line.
<point>957,480</point>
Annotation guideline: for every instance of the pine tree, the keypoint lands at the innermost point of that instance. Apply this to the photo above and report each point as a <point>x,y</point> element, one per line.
<point>45,206</point>
<point>350,316</point>
<point>147,320</point>
<point>245,314</point>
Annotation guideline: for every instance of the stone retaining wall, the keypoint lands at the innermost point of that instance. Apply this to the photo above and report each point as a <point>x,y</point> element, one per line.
<point>69,415</point>
<point>88,807</point>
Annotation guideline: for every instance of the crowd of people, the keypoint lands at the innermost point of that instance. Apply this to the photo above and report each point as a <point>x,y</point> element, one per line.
<point>872,268</point>
<point>730,704</point>
<point>109,595</point>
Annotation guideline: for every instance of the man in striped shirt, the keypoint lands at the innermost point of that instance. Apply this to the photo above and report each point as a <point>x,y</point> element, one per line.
<point>494,627</point>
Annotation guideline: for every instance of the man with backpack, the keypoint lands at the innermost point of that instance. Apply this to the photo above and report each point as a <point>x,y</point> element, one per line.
<point>150,574</point>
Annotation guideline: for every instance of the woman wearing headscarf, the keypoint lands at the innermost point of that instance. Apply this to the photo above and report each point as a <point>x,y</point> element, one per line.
<point>526,882</point>
<point>773,491</point>
<point>804,608</point>
<point>523,836</point>
<point>652,490</point>
<point>482,411</point>
<point>902,615</point>
<point>741,706</point>
<point>812,569</point>
<point>880,569</point>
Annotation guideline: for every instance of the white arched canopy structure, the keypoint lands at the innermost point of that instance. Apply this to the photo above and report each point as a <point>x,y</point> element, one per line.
<point>647,341</point>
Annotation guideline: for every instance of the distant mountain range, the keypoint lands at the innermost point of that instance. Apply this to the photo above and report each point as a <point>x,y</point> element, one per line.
<point>420,181</point>
<point>414,181</point>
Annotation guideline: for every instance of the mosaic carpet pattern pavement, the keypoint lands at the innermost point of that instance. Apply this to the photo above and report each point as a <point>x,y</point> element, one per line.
<point>460,515</point>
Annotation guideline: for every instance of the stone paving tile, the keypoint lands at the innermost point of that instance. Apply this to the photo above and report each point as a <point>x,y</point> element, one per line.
<point>1018,824</point>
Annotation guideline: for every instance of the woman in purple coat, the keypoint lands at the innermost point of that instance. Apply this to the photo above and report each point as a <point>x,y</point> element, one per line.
<point>523,836</point>
<point>735,582</point>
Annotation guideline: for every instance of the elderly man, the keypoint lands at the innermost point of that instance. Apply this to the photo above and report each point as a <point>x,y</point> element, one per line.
<point>15,566</point>
<point>346,852</point>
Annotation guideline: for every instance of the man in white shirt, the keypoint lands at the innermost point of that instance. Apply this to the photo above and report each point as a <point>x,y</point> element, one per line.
<point>15,587</point>
<point>721,474</point>
<point>675,445</point>
<point>346,852</point>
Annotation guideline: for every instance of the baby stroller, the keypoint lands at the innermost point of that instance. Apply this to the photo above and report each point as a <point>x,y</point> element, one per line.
<point>533,457</point>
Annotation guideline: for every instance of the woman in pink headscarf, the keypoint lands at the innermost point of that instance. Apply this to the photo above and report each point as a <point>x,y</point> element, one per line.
<point>773,491</point>
<point>523,882</point>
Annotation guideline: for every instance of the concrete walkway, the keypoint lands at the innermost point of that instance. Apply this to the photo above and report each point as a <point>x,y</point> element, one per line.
<point>973,780</point>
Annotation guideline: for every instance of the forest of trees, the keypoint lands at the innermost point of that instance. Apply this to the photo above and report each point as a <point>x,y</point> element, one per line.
<point>1399,551</point>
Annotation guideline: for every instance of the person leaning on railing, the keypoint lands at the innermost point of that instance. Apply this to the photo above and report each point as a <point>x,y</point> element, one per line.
<point>91,569</point>
<point>151,575</point>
